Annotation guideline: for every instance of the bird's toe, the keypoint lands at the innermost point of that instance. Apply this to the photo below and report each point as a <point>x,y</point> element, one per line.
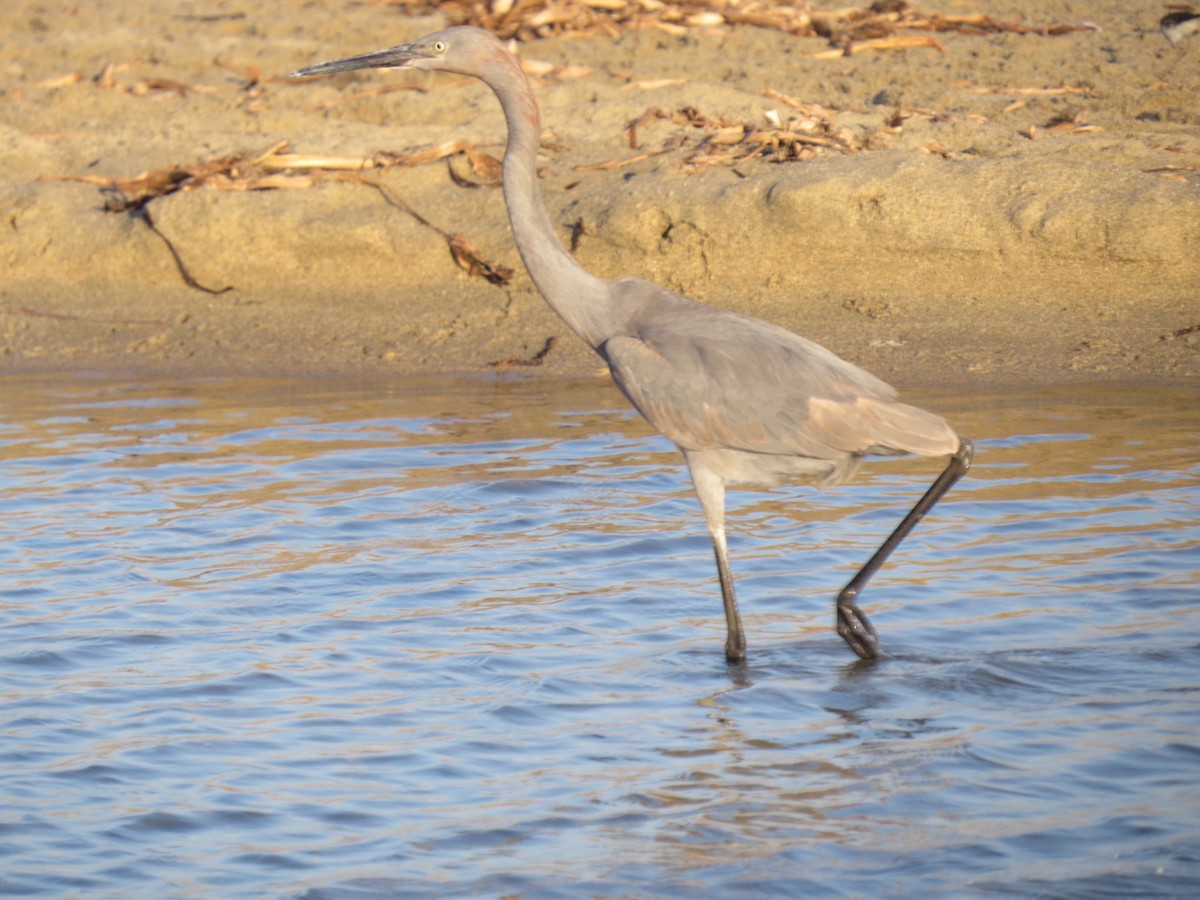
<point>857,631</point>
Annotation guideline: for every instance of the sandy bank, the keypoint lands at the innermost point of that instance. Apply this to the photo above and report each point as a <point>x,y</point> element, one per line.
<point>966,240</point>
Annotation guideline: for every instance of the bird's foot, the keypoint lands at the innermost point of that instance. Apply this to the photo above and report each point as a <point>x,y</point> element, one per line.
<point>735,651</point>
<point>857,631</point>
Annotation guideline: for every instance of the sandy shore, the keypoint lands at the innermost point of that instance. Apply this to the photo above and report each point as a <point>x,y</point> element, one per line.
<point>966,240</point>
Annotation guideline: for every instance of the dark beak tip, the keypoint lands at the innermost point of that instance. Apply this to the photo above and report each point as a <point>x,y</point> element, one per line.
<point>384,59</point>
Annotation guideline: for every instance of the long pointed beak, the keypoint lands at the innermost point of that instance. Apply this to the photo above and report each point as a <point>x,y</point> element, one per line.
<point>391,58</point>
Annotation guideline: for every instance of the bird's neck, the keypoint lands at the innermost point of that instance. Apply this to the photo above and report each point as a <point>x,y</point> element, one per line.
<point>575,294</point>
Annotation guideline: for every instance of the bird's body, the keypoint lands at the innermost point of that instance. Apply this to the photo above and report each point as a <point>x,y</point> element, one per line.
<point>759,401</point>
<point>745,400</point>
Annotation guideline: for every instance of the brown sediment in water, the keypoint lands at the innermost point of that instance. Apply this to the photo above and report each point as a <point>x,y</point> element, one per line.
<point>942,205</point>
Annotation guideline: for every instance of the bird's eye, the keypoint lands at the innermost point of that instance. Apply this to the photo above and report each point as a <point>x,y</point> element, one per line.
<point>439,46</point>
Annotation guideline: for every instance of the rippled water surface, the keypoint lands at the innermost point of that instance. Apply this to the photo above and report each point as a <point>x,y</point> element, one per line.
<point>437,638</point>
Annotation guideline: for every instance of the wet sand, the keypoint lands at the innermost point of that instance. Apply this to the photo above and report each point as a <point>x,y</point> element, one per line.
<point>966,241</point>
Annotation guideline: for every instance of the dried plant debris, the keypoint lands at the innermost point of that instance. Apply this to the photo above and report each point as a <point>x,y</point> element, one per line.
<point>464,254</point>
<point>536,360</point>
<point>725,141</point>
<point>1182,21</point>
<point>236,172</point>
<point>278,168</point>
<point>1031,91</point>
<point>184,272</point>
<point>107,78</point>
<point>1178,173</point>
<point>1071,121</point>
<point>851,29</point>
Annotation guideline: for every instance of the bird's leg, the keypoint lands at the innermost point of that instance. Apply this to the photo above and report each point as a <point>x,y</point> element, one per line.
<point>735,640</point>
<point>852,624</point>
<point>710,488</point>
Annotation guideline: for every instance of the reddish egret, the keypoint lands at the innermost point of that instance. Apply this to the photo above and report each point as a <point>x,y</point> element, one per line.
<point>746,401</point>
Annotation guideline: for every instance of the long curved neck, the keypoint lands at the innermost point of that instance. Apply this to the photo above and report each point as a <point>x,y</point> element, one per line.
<point>572,292</point>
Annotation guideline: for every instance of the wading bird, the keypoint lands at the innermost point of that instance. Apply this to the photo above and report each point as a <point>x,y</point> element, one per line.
<point>746,401</point>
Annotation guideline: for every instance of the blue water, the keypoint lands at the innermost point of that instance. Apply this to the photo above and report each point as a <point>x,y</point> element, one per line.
<point>445,637</point>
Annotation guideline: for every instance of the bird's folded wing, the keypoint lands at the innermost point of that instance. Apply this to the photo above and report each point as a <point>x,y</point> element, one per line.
<point>730,383</point>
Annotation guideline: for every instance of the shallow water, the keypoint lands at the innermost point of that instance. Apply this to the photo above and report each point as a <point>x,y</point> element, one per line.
<point>464,638</point>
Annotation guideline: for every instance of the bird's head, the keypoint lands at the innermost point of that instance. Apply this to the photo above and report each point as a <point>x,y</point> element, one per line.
<point>465,50</point>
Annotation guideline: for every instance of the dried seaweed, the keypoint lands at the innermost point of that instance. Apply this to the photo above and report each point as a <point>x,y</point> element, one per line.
<point>1071,121</point>
<point>536,360</point>
<point>1181,332</point>
<point>107,78</point>
<point>184,272</point>
<point>464,254</point>
<point>726,141</point>
<point>1175,172</point>
<point>850,29</point>
<point>236,172</point>
<point>278,168</point>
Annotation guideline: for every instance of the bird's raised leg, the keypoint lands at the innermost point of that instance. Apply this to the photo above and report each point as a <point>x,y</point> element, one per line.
<point>852,623</point>
<point>710,488</point>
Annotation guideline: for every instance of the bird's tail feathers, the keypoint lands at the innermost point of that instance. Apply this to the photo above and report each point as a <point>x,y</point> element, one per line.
<point>896,428</point>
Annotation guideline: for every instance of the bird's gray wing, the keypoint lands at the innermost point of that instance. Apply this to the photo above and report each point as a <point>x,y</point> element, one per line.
<point>711,379</point>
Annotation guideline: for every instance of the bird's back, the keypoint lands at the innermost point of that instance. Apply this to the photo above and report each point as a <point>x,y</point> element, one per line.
<point>712,380</point>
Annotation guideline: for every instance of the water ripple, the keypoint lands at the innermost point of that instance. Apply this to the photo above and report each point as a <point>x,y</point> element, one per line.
<point>464,638</point>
